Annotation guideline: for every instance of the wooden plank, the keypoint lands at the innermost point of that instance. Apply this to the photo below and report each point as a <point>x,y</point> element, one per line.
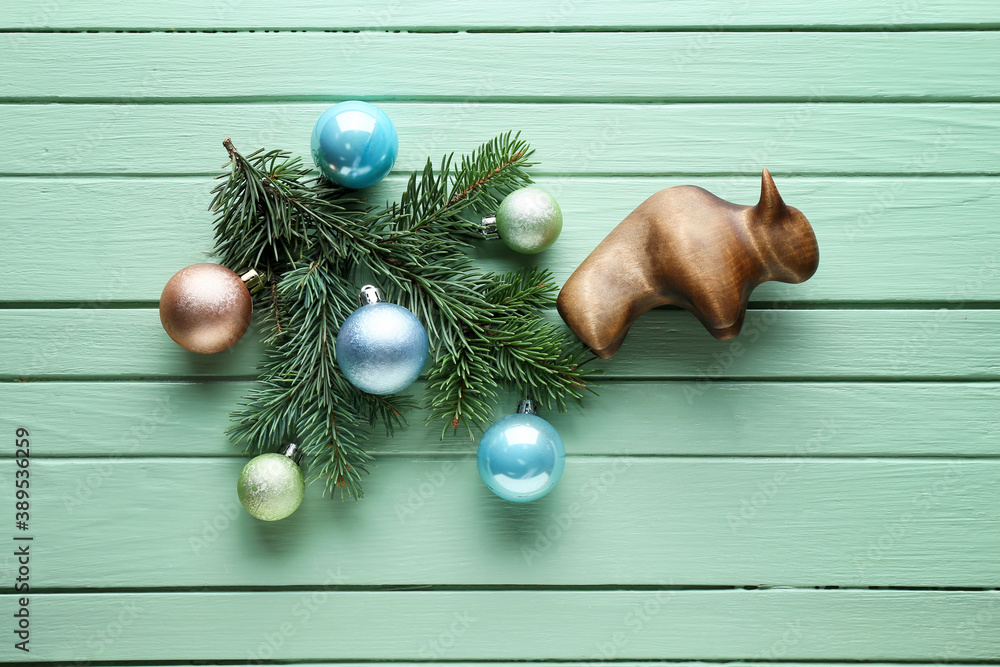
<point>77,343</point>
<point>149,228</point>
<point>127,419</point>
<point>513,625</point>
<point>874,344</point>
<point>605,139</point>
<point>91,342</point>
<point>628,521</point>
<point>661,66</point>
<point>513,14</point>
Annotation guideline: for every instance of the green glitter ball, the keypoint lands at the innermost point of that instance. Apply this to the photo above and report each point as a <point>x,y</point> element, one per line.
<point>271,487</point>
<point>529,220</point>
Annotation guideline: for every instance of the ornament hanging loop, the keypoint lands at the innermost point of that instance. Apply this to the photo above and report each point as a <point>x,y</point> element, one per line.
<point>369,294</point>
<point>488,227</point>
<point>527,407</point>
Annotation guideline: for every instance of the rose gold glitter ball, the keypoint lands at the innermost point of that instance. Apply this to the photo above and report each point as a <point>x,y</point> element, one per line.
<point>205,308</point>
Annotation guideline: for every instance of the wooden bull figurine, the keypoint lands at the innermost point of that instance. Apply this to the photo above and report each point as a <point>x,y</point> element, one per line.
<point>686,247</point>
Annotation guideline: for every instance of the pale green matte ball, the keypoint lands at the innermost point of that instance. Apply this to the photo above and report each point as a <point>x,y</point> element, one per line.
<point>271,487</point>
<point>529,220</point>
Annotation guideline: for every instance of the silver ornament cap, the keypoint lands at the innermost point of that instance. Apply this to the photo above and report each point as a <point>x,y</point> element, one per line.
<point>292,451</point>
<point>527,407</point>
<point>488,227</point>
<point>369,294</point>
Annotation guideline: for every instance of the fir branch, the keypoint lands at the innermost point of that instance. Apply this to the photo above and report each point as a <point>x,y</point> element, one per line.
<point>315,243</point>
<point>491,172</point>
<point>461,387</point>
<point>270,210</point>
<point>424,254</point>
<point>528,354</point>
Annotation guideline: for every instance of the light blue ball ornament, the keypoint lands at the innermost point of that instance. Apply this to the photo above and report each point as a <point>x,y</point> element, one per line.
<point>381,348</point>
<point>354,144</point>
<point>521,456</point>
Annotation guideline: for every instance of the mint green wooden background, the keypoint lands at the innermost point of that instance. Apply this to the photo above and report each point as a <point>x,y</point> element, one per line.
<point>829,491</point>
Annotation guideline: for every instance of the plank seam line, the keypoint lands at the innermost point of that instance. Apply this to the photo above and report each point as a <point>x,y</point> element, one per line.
<point>418,455</point>
<point>483,588</point>
<point>589,662</point>
<point>581,28</point>
<point>552,174</point>
<point>603,379</point>
<point>754,305</point>
<point>8,378</point>
<point>438,100</point>
<point>555,100</point>
<point>400,177</point>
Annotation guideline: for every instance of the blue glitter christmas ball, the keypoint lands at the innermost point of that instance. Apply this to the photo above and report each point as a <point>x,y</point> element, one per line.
<point>521,457</point>
<point>382,348</point>
<point>354,144</point>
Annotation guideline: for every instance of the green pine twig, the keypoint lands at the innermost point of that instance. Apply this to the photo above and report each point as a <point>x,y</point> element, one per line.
<point>315,243</point>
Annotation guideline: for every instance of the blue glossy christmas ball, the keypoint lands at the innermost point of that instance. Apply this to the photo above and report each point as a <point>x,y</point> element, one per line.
<point>521,457</point>
<point>382,348</point>
<point>354,144</point>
